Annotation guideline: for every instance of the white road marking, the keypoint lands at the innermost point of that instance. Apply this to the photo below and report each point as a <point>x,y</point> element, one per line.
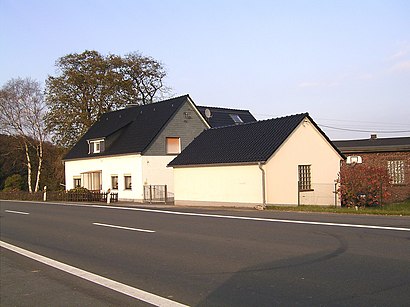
<point>246,218</point>
<point>237,217</point>
<point>122,227</point>
<point>17,212</point>
<point>108,283</point>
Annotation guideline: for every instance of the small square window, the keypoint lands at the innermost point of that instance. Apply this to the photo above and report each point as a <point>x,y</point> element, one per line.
<point>173,146</point>
<point>114,182</point>
<point>127,182</point>
<point>77,182</point>
<point>96,146</point>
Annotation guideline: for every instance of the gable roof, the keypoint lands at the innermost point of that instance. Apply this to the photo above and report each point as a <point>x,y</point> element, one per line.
<point>221,117</point>
<point>246,143</point>
<point>129,130</point>
<point>374,144</point>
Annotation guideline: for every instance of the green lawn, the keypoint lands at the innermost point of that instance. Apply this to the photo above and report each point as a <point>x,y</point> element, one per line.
<point>402,208</point>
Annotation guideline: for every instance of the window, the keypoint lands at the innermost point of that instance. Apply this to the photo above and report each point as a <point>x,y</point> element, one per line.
<point>304,178</point>
<point>114,182</point>
<point>127,182</point>
<point>396,171</point>
<point>236,118</point>
<point>92,180</point>
<point>77,182</point>
<point>173,146</point>
<point>96,146</point>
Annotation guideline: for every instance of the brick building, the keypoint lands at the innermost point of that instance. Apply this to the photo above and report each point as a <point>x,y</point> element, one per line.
<point>392,153</point>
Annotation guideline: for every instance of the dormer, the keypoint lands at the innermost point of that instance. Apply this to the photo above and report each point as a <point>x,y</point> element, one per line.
<point>96,146</point>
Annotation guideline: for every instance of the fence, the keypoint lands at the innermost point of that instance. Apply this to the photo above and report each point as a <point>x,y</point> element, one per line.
<point>157,194</point>
<point>60,196</point>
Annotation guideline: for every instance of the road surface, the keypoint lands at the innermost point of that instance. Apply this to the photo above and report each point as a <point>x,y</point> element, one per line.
<point>202,257</point>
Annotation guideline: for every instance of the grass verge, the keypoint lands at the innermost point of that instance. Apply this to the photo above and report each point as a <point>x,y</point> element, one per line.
<point>402,208</point>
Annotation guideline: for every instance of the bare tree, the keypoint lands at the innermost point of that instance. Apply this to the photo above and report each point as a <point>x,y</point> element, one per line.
<point>22,112</point>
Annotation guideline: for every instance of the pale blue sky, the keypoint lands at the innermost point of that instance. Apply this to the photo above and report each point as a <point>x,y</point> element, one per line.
<point>347,63</point>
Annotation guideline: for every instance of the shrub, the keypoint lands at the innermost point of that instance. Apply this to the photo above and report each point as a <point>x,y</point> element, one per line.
<point>14,183</point>
<point>363,185</point>
<point>79,190</point>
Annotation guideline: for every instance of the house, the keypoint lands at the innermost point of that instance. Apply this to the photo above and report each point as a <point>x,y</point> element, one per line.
<point>282,161</point>
<point>129,148</point>
<point>220,117</point>
<point>390,153</point>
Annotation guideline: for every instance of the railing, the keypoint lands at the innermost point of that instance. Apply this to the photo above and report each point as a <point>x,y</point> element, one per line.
<point>157,194</point>
<point>60,196</point>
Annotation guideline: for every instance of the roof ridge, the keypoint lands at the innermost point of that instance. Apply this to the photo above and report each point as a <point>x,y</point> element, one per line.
<point>222,108</point>
<point>263,120</point>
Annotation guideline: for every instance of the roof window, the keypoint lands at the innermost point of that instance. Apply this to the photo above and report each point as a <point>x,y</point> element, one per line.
<point>236,118</point>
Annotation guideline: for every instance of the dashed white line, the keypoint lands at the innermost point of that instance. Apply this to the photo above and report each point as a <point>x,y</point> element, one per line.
<point>123,227</point>
<point>16,212</point>
<point>139,294</point>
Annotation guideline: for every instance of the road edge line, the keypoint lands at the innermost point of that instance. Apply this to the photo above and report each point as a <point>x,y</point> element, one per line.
<point>94,278</point>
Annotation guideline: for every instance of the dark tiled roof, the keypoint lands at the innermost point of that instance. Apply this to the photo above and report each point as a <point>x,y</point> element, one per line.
<point>374,145</point>
<point>128,130</point>
<point>251,142</point>
<point>220,117</point>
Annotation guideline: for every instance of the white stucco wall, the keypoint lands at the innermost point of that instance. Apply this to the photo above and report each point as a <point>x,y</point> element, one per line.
<point>156,172</point>
<point>305,146</point>
<point>218,186</point>
<point>119,165</point>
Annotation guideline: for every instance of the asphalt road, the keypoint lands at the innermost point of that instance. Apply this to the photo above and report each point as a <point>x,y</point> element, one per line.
<point>270,259</point>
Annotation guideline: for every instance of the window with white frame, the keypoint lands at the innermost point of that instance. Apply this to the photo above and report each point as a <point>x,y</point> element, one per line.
<point>77,182</point>
<point>127,182</point>
<point>96,146</point>
<point>396,171</point>
<point>305,181</point>
<point>92,180</point>
<point>114,182</point>
<point>173,145</point>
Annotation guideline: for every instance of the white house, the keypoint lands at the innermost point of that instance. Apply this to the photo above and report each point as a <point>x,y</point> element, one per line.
<point>128,149</point>
<point>282,161</point>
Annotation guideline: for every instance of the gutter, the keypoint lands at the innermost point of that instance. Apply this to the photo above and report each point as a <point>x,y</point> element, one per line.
<point>260,165</point>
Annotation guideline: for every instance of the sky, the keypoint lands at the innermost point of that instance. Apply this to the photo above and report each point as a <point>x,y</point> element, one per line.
<point>347,62</point>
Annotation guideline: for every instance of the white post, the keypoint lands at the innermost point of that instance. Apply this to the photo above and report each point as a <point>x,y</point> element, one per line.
<point>108,196</point>
<point>45,193</point>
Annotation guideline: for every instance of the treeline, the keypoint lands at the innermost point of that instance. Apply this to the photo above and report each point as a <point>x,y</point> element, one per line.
<point>38,126</point>
<point>13,165</point>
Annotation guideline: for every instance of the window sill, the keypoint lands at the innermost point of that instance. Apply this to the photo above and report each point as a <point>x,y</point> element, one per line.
<point>307,190</point>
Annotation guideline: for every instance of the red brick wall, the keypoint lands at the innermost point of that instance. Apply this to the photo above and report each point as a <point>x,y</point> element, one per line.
<point>399,192</point>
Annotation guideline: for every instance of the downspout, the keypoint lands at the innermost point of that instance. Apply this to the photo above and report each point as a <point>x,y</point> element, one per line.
<point>263,186</point>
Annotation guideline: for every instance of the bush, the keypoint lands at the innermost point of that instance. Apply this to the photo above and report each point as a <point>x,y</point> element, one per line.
<point>362,185</point>
<point>14,183</point>
<point>79,190</point>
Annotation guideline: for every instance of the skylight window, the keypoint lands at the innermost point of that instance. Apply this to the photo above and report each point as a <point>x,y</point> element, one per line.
<point>236,118</point>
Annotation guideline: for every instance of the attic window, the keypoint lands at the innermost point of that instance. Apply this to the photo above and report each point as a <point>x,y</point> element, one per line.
<point>236,118</point>
<point>173,146</point>
<point>96,146</point>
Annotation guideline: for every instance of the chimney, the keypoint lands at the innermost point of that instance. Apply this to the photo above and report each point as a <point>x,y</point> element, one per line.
<point>373,136</point>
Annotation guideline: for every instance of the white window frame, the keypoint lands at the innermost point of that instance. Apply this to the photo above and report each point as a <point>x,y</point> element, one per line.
<point>112,183</point>
<point>396,172</point>
<point>125,182</point>
<point>95,146</point>
<point>168,147</point>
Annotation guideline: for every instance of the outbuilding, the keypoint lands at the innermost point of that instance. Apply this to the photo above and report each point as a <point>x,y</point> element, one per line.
<point>282,161</point>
